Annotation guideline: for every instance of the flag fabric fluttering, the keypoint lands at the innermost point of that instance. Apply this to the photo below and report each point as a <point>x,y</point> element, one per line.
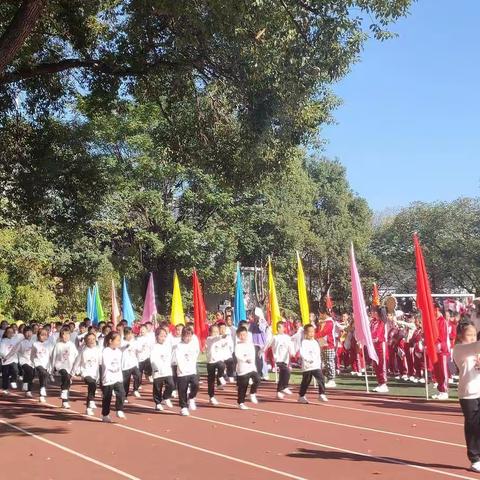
<point>375,296</point>
<point>98,315</point>
<point>302,292</point>
<point>127,309</point>
<point>239,312</point>
<point>89,303</point>
<point>200,326</point>
<point>274,310</point>
<point>328,301</point>
<point>177,316</point>
<point>115,315</point>
<point>425,304</point>
<point>360,317</point>
<point>149,306</point>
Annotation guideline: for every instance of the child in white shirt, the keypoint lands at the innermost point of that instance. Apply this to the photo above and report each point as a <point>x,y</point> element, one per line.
<point>246,368</point>
<point>41,360</point>
<point>129,347</point>
<point>9,362</point>
<point>216,352</point>
<point>161,362</point>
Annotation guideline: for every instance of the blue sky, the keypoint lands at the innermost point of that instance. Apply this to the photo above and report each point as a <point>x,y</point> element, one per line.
<point>409,126</point>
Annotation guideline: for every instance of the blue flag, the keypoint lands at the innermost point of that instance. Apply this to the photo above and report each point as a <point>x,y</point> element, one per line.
<point>239,312</point>
<point>89,303</point>
<point>127,310</point>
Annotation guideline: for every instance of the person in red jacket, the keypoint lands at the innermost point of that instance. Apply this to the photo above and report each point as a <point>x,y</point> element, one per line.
<point>325,337</point>
<point>443,352</point>
<point>377,327</point>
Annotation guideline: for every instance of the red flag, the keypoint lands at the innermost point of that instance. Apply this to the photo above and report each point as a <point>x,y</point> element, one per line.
<point>375,296</point>
<point>425,304</point>
<point>328,301</point>
<point>200,327</point>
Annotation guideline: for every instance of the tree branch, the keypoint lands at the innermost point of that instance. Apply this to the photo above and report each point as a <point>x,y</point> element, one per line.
<point>18,30</point>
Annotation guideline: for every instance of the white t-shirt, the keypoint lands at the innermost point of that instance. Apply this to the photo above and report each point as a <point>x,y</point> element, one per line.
<point>245,355</point>
<point>467,358</point>
<point>310,355</point>
<point>161,360</point>
<point>111,366</point>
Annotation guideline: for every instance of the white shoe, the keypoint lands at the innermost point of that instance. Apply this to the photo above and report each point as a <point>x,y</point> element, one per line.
<point>114,394</point>
<point>64,395</point>
<point>192,405</point>
<point>266,377</point>
<point>330,384</point>
<point>280,395</point>
<point>65,405</point>
<point>422,380</point>
<point>381,388</point>
<point>150,379</point>
<point>451,381</point>
<point>397,377</point>
<point>42,400</point>
<point>184,412</point>
<point>121,414</point>
<point>28,394</point>
<point>43,392</point>
<point>404,378</point>
<point>353,374</point>
<point>441,396</point>
<point>242,406</point>
<point>412,378</point>
<point>287,391</point>
<point>213,401</point>
<point>90,412</point>
<point>25,387</point>
<point>168,403</point>
<point>302,399</point>
<point>231,380</point>
<point>52,378</point>
<point>20,378</point>
<point>91,404</point>
<point>222,381</point>
<point>435,385</point>
<point>140,387</point>
<point>415,380</point>
<point>174,394</point>
<point>125,401</point>
<point>250,381</point>
<point>5,392</point>
<point>136,393</point>
<point>13,385</point>
<point>323,398</point>
<point>159,407</point>
<point>106,419</point>
<point>475,467</point>
<point>253,398</point>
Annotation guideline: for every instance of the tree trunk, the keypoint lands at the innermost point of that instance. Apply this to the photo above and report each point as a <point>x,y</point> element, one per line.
<point>19,29</point>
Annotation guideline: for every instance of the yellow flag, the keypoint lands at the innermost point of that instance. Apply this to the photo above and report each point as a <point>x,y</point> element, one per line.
<point>273,300</point>
<point>302,293</point>
<point>177,315</point>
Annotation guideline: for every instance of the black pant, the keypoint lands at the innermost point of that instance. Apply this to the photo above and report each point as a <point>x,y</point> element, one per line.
<point>145,367</point>
<point>471,412</point>
<point>65,379</point>
<point>212,369</point>
<point>9,374</point>
<point>230,366</point>
<point>127,375</point>
<point>183,384</point>
<point>174,376</point>
<point>242,385</point>
<point>42,375</point>
<point>307,378</point>
<point>283,376</point>
<point>107,397</point>
<point>91,388</point>
<point>28,374</point>
<point>159,393</point>
<point>259,360</point>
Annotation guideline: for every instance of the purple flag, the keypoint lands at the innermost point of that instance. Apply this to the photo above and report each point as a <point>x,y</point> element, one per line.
<point>360,317</point>
<point>149,308</point>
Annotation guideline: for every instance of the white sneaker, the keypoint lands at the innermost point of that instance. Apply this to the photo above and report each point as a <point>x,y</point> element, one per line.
<point>250,381</point>
<point>435,385</point>
<point>5,392</point>
<point>266,377</point>
<point>253,398</point>
<point>90,412</point>
<point>381,388</point>
<point>192,405</point>
<point>422,380</point>
<point>13,385</point>
<point>330,384</point>
<point>52,378</point>
<point>412,378</point>
<point>353,374</point>
<point>397,377</point>
<point>28,394</point>
<point>168,403</point>
<point>280,395</point>
<point>184,412</point>
<point>140,387</point>
<point>25,387</point>
<point>106,419</point>
<point>42,400</point>
<point>92,404</point>
<point>404,378</point>
<point>20,378</point>
<point>136,393</point>
<point>323,398</point>
<point>150,379</point>
<point>475,467</point>
<point>64,395</point>
<point>441,396</point>
<point>114,394</point>
<point>174,394</point>
<point>159,407</point>
<point>121,414</point>
<point>65,405</point>
<point>287,391</point>
<point>231,380</point>
<point>125,401</point>
<point>242,406</point>
<point>222,381</point>
<point>302,399</point>
<point>451,381</point>
<point>43,392</point>
<point>213,401</point>
<point>415,380</point>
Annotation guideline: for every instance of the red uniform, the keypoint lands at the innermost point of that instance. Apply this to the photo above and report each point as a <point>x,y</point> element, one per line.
<point>377,328</point>
<point>443,352</point>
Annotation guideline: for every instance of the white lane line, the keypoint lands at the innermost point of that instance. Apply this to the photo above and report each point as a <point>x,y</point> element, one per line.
<point>72,452</point>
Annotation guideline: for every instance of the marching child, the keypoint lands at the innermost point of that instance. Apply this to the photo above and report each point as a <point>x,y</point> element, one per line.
<point>161,362</point>
<point>311,365</point>
<point>130,368</point>
<point>246,368</point>
<point>215,363</point>
<point>40,357</point>
<point>186,355</point>
<point>9,362</point>
<point>228,349</point>
<point>63,357</point>
<point>175,339</point>
<point>112,378</point>
<point>144,347</point>
<point>87,364</point>
<point>23,352</point>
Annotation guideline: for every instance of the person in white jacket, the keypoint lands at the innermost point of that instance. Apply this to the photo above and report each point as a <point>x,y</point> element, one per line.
<point>311,365</point>
<point>87,365</point>
<point>246,368</point>
<point>112,378</point>
<point>282,348</point>
<point>41,360</point>
<point>129,347</point>
<point>185,357</point>
<point>217,350</point>
<point>228,347</point>
<point>144,347</point>
<point>161,362</point>
<point>9,362</point>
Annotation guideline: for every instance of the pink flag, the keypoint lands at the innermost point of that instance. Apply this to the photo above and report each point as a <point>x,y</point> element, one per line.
<point>360,317</point>
<point>149,307</point>
<point>115,309</point>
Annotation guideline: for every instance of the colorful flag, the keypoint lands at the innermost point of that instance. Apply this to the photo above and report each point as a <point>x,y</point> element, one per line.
<point>98,315</point>
<point>360,317</point>
<point>127,309</point>
<point>425,304</point>
<point>239,312</point>
<point>89,303</point>
<point>274,309</point>
<point>115,310</point>
<point>328,301</point>
<point>177,316</point>
<point>200,326</point>
<point>302,292</point>
<point>149,307</point>
<point>375,296</point>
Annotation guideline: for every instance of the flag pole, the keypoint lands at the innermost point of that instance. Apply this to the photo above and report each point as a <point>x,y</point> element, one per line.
<point>365,369</point>
<point>425,369</point>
